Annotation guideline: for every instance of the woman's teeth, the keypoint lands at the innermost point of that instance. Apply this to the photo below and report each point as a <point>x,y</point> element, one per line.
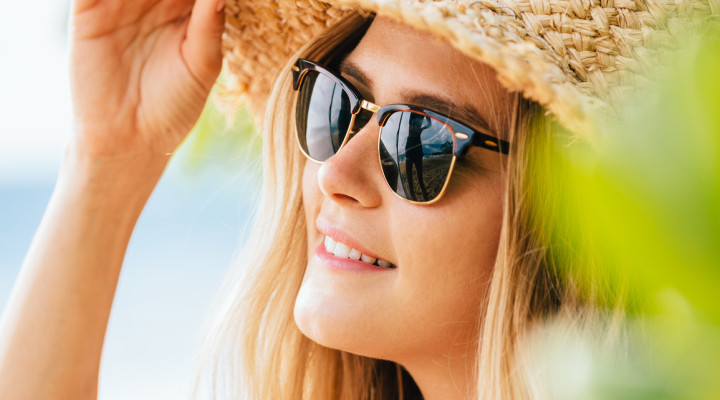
<point>344,251</point>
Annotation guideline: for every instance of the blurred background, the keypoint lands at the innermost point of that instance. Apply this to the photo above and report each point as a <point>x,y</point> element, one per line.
<point>185,240</point>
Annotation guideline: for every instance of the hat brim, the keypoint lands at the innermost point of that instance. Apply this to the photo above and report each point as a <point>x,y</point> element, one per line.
<point>568,59</point>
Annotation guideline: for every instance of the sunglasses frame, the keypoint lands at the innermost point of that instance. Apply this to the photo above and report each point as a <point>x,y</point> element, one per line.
<point>463,135</point>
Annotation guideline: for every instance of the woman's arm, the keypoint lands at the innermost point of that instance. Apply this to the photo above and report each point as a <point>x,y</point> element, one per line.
<point>54,325</point>
<point>141,73</point>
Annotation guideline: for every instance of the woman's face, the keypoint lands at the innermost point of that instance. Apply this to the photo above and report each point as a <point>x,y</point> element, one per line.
<point>426,309</point>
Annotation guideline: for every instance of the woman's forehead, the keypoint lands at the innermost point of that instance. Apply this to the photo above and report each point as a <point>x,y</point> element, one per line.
<point>399,62</point>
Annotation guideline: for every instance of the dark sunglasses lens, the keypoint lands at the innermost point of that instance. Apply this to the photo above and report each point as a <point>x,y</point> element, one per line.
<point>416,152</point>
<point>322,115</point>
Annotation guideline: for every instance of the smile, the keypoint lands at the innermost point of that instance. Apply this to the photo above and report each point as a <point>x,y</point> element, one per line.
<point>342,250</point>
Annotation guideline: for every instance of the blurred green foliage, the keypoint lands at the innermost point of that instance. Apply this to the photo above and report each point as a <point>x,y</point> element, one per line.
<point>223,138</point>
<point>649,195</point>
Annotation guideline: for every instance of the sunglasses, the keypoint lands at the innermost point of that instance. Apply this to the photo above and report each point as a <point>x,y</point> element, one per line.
<point>417,147</point>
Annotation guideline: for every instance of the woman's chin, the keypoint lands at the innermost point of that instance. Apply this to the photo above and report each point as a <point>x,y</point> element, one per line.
<point>334,319</point>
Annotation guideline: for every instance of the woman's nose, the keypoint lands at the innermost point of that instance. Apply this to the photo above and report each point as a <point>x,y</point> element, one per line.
<point>352,176</point>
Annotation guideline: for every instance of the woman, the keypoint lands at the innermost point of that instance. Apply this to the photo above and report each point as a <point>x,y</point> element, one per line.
<point>356,283</point>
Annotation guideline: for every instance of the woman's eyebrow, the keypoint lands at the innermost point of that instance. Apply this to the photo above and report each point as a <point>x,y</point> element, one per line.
<point>351,69</point>
<point>460,112</point>
<point>447,107</point>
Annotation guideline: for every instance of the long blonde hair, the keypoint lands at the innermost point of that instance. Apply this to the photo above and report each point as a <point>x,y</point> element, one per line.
<point>254,349</point>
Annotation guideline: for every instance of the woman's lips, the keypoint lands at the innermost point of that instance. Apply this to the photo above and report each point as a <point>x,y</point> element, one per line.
<point>345,264</point>
<point>342,250</point>
<point>343,246</point>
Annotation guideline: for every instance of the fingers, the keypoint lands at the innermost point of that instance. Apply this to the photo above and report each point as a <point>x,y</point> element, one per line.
<point>96,18</point>
<point>79,6</point>
<point>202,48</point>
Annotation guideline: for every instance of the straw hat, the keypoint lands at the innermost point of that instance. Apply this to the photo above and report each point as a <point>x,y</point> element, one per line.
<point>577,58</point>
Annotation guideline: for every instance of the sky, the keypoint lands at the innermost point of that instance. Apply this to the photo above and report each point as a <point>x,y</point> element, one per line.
<point>34,105</point>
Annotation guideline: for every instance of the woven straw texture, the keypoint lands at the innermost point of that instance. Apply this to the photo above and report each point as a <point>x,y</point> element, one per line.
<point>577,58</point>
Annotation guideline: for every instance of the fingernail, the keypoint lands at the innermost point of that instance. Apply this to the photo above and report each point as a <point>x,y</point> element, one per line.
<point>220,6</point>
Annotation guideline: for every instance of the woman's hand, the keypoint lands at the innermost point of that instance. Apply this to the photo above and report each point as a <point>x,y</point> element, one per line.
<point>141,73</point>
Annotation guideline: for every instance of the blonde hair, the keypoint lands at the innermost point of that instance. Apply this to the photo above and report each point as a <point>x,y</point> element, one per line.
<point>255,350</point>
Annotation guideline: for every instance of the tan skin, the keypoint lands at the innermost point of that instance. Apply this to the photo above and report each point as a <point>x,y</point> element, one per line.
<point>141,73</point>
<point>423,314</point>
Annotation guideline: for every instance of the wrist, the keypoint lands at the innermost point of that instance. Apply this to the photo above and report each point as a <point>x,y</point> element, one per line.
<point>114,182</point>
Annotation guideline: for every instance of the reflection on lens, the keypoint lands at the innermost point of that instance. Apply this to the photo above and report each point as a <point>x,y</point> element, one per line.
<point>416,153</point>
<point>323,115</point>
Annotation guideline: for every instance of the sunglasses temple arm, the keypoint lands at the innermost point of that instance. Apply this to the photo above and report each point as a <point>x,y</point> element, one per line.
<point>486,141</point>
